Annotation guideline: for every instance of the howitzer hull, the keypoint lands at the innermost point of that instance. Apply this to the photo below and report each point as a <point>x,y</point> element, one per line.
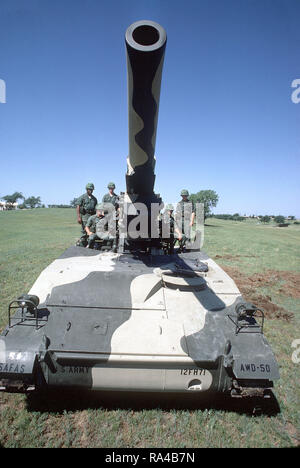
<point>172,327</point>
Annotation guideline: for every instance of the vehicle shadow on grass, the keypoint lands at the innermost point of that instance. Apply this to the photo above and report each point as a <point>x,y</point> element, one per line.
<point>61,400</point>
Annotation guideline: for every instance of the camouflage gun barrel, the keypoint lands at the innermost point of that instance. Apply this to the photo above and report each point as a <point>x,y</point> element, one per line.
<point>145,45</point>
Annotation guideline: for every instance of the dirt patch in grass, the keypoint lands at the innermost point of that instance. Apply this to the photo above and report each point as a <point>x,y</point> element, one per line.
<point>249,287</point>
<point>290,281</point>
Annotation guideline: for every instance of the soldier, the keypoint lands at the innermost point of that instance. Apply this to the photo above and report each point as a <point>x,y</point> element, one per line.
<point>185,216</point>
<point>99,228</point>
<point>85,207</point>
<point>111,196</point>
<point>174,232</point>
<point>91,225</point>
<point>168,218</point>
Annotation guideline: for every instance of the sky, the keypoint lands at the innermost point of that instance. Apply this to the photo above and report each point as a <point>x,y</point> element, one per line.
<point>228,120</point>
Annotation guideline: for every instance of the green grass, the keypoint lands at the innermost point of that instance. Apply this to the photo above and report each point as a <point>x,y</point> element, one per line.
<point>257,248</point>
<point>260,246</point>
<point>30,240</point>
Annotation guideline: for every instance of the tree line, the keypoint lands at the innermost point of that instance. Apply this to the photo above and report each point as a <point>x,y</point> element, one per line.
<point>280,219</point>
<point>209,198</point>
<point>29,202</point>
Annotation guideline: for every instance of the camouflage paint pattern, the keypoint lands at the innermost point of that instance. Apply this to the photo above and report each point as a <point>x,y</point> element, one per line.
<point>144,71</point>
<point>161,332</point>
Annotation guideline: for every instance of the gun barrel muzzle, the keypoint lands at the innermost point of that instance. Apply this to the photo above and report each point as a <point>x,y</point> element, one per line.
<point>145,45</point>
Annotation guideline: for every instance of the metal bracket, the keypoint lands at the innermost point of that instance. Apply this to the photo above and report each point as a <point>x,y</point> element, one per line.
<point>245,318</point>
<point>30,306</point>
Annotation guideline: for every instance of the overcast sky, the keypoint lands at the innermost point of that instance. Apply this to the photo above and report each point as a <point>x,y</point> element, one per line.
<point>227,121</point>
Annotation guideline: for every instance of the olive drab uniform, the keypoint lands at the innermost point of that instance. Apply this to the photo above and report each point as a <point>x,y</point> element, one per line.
<point>168,219</point>
<point>92,225</point>
<point>87,207</point>
<point>184,211</point>
<point>114,199</point>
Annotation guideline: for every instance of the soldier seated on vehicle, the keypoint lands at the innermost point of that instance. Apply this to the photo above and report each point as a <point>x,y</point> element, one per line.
<point>99,228</point>
<point>91,225</point>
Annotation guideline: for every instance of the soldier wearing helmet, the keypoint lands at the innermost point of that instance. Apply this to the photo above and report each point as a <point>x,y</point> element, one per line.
<point>91,225</point>
<point>85,207</point>
<point>111,196</point>
<point>189,209</point>
<point>101,226</point>
<point>169,220</point>
<point>185,216</point>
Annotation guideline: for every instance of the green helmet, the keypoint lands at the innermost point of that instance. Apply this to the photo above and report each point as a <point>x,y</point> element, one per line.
<point>90,186</point>
<point>111,185</point>
<point>100,206</point>
<point>184,192</point>
<point>169,207</point>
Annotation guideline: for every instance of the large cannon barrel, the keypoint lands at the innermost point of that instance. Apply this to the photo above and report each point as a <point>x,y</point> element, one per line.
<point>145,45</point>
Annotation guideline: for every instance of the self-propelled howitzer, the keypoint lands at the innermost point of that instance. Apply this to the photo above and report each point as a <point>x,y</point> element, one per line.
<point>141,319</point>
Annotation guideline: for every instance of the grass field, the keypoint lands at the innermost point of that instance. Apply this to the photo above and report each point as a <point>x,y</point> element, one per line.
<point>263,260</point>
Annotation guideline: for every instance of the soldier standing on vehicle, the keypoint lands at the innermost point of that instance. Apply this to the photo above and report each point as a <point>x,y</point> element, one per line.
<point>174,232</point>
<point>185,216</point>
<point>111,196</point>
<point>85,207</point>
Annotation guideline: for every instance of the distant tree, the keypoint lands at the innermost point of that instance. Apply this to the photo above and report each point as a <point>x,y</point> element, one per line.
<point>237,217</point>
<point>73,202</point>
<point>209,198</point>
<point>265,219</point>
<point>279,219</point>
<point>14,197</point>
<point>292,217</point>
<point>33,202</point>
